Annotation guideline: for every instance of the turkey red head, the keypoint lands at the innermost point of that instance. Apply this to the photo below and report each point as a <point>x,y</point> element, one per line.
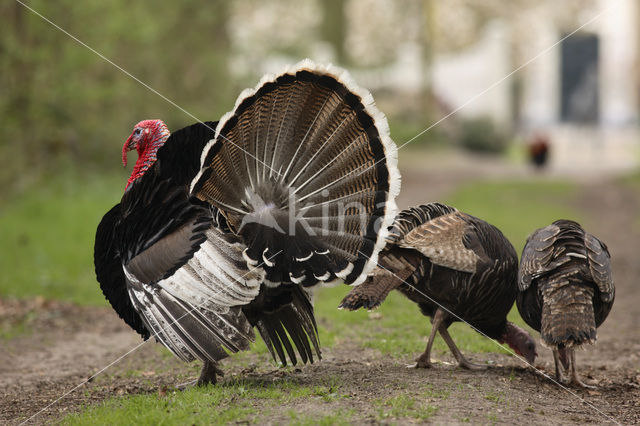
<point>520,341</point>
<point>146,138</point>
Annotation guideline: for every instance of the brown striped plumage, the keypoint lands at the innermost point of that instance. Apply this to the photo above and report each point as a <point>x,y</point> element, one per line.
<point>566,289</point>
<point>455,267</point>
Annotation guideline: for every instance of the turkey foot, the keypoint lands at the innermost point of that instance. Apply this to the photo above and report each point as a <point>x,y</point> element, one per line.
<point>575,379</point>
<point>187,385</point>
<point>208,374</point>
<point>371,293</point>
<point>423,361</point>
<point>462,361</point>
<point>468,365</point>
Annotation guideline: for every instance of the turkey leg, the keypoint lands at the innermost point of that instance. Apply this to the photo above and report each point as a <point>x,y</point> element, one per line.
<point>575,379</point>
<point>559,375</point>
<point>462,361</point>
<point>424,360</point>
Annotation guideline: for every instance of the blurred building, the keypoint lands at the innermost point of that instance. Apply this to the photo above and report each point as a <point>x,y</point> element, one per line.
<point>582,93</point>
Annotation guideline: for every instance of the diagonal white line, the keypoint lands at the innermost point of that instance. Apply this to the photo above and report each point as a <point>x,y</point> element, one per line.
<point>85,381</point>
<point>131,351</point>
<point>504,348</point>
<point>139,81</point>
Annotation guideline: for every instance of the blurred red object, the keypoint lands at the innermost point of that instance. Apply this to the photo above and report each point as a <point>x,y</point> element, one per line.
<point>539,150</point>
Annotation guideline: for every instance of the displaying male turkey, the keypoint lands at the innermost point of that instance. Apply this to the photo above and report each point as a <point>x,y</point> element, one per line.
<point>224,226</point>
<point>566,290</point>
<point>455,267</point>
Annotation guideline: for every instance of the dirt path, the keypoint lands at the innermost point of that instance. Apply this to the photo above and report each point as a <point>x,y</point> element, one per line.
<point>67,344</point>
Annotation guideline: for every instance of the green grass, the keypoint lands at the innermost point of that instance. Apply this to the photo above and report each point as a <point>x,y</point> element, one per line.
<point>397,328</point>
<point>217,405</point>
<point>13,327</point>
<point>47,234</point>
<point>236,401</point>
<point>337,417</point>
<point>517,208</point>
<point>402,406</point>
<point>496,397</point>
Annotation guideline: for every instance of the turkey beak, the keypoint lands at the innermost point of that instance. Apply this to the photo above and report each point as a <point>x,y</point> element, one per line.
<point>128,146</point>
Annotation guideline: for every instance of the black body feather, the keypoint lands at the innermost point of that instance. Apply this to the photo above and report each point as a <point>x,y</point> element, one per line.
<point>482,298</point>
<point>126,230</point>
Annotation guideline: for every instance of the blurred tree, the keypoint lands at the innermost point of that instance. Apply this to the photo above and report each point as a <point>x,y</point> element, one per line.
<point>481,135</point>
<point>58,100</point>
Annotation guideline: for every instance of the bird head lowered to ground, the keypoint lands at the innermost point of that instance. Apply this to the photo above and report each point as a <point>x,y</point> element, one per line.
<point>146,138</point>
<point>521,342</point>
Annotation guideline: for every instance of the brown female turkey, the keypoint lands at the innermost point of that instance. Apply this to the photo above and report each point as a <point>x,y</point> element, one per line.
<point>566,289</point>
<point>455,267</point>
<point>223,230</point>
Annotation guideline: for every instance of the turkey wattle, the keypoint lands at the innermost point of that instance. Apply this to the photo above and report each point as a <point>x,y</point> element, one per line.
<point>566,290</point>
<point>440,257</point>
<point>220,231</point>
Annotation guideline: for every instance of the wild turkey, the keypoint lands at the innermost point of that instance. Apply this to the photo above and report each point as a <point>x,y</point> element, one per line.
<point>222,231</point>
<point>539,150</point>
<point>454,266</point>
<point>566,290</point>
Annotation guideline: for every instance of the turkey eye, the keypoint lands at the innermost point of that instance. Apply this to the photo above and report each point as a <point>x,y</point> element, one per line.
<point>137,132</point>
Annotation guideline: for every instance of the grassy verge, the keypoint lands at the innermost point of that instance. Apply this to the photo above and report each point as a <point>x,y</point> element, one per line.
<point>236,401</point>
<point>47,234</point>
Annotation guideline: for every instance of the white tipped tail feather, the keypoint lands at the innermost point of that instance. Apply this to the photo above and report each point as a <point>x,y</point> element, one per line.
<point>315,156</point>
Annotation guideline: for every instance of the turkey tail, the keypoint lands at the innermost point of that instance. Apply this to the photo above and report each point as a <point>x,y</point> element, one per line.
<point>567,314</point>
<point>304,170</point>
<point>395,268</point>
<point>192,332</point>
<point>285,316</point>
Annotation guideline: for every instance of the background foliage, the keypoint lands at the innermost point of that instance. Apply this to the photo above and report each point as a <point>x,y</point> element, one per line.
<point>58,100</point>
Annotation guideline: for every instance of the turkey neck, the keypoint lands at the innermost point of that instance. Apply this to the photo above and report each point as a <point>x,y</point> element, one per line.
<point>512,335</point>
<point>147,156</point>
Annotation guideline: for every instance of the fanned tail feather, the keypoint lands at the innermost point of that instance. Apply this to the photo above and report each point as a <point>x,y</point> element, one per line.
<point>285,316</point>
<point>304,170</point>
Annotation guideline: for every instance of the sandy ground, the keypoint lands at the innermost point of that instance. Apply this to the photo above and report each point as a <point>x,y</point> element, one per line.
<point>68,344</point>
